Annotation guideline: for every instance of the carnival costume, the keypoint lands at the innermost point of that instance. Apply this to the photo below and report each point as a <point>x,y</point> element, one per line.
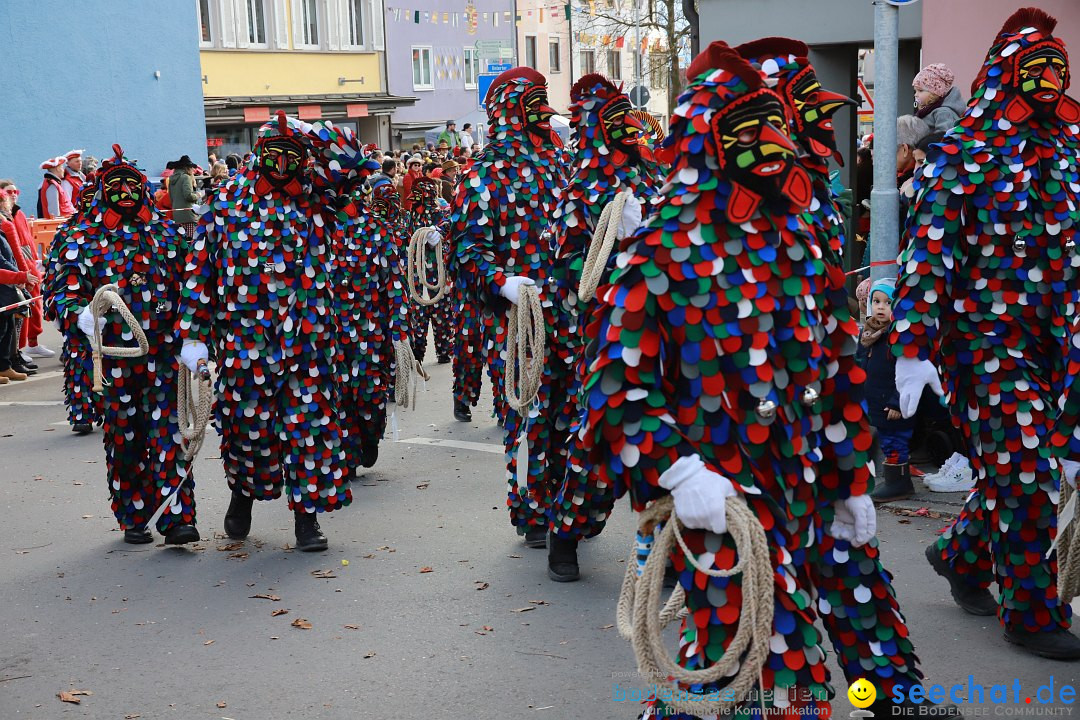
<point>713,355</point>
<point>259,284</point>
<point>501,210</point>
<point>987,292</point>
<point>121,240</point>
<point>440,316</point>
<point>609,159</point>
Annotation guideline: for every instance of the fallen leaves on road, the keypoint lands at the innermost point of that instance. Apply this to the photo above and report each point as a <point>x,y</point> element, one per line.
<point>524,609</point>
<point>480,585</point>
<point>72,696</point>
<point>301,623</point>
<point>87,517</point>
<point>426,569</point>
<point>282,611</point>
<point>539,602</point>
<point>606,627</point>
<point>422,486</point>
<point>208,642</point>
<point>229,547</point>
<point>264,596</point>
<point>369,654</point>
<point>132,717</point>
<point>325,574</point>
<point>368,557</point>
<point>352,627</point>
<point>514,556</point>
<point>238,556</point>
<point>222,705</point>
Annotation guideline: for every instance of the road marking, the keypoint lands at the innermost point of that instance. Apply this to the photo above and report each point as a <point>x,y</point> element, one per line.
<point>34,378</point>
<point>32,403</point>
<point>461,444</point>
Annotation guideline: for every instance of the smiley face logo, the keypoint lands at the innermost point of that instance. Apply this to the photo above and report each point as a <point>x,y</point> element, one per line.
<point>862,693</point>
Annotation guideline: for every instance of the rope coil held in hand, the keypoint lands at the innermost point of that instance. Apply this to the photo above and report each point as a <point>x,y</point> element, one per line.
<point>409,370</point>
<point>641,619</point>
<point>417,265</point>
<point>1067,544</point>
<point>524,349</point>
<point>105,299</point>
<point>609,228</point>
<point>194,402</point>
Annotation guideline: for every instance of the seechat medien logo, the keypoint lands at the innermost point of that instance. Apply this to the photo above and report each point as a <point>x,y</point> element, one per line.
<point>862,693</point>
<point>1008,699</point>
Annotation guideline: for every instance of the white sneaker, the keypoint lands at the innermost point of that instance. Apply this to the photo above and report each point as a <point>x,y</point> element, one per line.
<point>958,479</point>
<point>40,351</point>
<point>956,459</point>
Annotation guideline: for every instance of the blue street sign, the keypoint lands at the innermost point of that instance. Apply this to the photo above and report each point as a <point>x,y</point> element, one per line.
<point>901,3</point>
<point>498,67</point>
<point>483,84</point>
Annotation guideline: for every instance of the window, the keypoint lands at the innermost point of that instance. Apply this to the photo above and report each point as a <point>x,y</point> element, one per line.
<point>356,22</point>
<point>205,36</point>
<point>588,62</point>
<point>614,61</point>
<point>256,21</point>
<point>421,68</point>
<point>472,67</point>
<point>309,23</point>
<point>530,51</point>
<point>554,56</point>
<point>635,64</point>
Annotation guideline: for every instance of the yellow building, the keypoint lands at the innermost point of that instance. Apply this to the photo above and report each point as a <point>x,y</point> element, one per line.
<point>316,59</point>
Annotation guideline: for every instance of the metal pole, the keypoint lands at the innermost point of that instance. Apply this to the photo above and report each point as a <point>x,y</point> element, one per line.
<point>637,41</point>
<point>885,198</point>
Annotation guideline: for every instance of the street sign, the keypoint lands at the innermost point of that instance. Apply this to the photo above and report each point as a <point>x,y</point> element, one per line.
<point>492,49</point>
<point>483,84</point>
<point>639,97</point>
<point>901,3</point>
<point>494,67</point>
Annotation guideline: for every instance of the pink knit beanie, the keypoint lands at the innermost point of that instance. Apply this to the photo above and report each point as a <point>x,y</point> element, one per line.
<point>936,78</point>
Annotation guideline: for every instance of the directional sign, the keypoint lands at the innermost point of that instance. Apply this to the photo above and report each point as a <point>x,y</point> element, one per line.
<point>492,49</point>
<point>494,67</point>
<point>639,96</point>
<point>483,84</point>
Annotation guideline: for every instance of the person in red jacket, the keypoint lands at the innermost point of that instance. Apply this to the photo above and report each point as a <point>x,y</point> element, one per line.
<point>415,170</point>
<point>10,277</point>
<point>17,229</point>
<point>73,174</point>
<point>53,198</point>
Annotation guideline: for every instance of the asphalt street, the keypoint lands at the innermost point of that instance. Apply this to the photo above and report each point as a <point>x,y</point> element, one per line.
<point>427,605</point>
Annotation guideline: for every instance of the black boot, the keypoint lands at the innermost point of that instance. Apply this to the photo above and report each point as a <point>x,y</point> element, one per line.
<point>309,537</point>
<point>884,706</point>
<point>182,535</point>
<point>562,558</point>
<point>462,411</point>
<point>138,536</point>
<point>897,485</point>
<point>443,359</point>
<point>238,516</point>
<point>1058,644</point>
<point>973,599</point>
<point>535,537</point>
<point>369,452</point>
<point>82,428</point>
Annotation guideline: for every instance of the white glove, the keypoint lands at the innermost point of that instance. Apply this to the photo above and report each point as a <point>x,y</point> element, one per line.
<point>192,352</point>
<point>86,322</point>
<point>912,376</point>
<point>855,520</point>
<point>631,217</point>
<point>434,237</point>
<point>700,495</point>
<point>1069,470</point>
<point>511,289</point>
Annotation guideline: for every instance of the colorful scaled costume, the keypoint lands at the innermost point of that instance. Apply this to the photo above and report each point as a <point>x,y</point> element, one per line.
<point>259,278</point>
<point>367,288</point>
<point>609,159</point>
<point>83,404</point>
<point>987,292</point>
<point>856,600</point>
<point>440,316</point>
<point>503,206</point>
<point>386,208</point>
<point>713,354</point>
<point>121,239</point>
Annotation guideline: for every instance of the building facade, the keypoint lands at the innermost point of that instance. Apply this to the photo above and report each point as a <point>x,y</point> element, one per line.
<point>64,90</point>
<point>316,59</point>
<point>434,53</point>
<point>544,44</point>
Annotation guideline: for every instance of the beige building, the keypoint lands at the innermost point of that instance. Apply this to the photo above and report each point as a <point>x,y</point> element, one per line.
<point>544,44</point>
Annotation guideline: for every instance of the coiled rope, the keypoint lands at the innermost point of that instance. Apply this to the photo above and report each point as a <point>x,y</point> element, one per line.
<point>1067,544</point>
<point>194,402</point>
<point>609,229</point>
<point>641,619</point>
<point>409,370</point>
<point>524,349</point>
<point>105,299</point>
<point>417,265</point>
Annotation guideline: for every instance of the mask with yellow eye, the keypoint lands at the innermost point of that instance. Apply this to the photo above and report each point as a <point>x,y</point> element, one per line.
<point>1041,76</point>
<point>280,160</point>
<point>757,154</point>
<point>814,109</point>
<point>621,129</point>
<point>538,113</point>
<point>122,191</point>
<point>88,190</point>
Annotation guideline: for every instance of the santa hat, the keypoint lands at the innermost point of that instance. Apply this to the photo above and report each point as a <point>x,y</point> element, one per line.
<point>72,154</point>
<point>936,78</point>
<point>53,163</point>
